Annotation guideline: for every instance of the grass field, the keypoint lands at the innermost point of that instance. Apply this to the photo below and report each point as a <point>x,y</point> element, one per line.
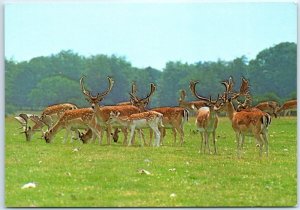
<point>108,176</point>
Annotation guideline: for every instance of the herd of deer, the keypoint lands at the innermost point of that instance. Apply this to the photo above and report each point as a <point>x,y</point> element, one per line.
<point>132,115</point>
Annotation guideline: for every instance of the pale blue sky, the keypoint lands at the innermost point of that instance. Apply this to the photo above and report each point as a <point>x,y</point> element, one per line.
<point>148,34</point>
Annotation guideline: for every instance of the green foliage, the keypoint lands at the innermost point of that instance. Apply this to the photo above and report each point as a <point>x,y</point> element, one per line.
<point>107,176</point>
<point>47,80</point>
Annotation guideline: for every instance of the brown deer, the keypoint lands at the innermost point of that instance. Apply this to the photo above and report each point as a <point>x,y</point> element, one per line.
<point>270,107</point>
<point>102,114</point>
<point>78,118</point>
<point>288,107</point>
<point>248,122</point>
<point>207,118</point>
<point>48,117</point>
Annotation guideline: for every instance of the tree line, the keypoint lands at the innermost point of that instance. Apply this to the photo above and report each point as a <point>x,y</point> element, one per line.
<point>42,81</point>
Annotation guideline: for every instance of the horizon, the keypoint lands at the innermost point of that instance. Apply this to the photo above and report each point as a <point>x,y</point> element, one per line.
<point>148,34</point>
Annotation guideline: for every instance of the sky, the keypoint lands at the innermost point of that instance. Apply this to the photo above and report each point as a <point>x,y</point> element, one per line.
<point>148,33</point>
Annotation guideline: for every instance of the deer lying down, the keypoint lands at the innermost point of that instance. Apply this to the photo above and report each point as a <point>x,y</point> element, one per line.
<point>150,119</point>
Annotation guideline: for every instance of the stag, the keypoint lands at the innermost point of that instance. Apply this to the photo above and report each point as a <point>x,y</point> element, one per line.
<point>207,118</point>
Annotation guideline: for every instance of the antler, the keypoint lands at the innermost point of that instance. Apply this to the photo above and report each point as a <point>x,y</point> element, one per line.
<point>133,88</point>
<point>193,90</point>
<point>152,90</point>
<point>99,96</point>
<point>182,95</point>
<point>85,92</point>
<point>244,89</point>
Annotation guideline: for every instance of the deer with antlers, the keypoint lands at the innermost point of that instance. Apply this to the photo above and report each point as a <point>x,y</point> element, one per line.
<point>248,122</point>
<point>102,114</point>
<point>48,117</point>
<point>80,118</point>
<point>207,118</point>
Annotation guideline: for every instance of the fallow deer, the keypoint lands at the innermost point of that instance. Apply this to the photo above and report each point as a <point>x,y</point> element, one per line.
<point>81,118</point>
<point>48,117</point>
<point>149,119</point>
<point>207,118</point>
<point>248,122</point>
<point>288,107</point>
<point>103,113</point>
<point>28,130</point>
<point>270,107</point>
<point>78,118</point>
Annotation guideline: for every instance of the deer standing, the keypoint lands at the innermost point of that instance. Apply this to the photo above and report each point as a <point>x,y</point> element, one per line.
<point>248,122</point>
<point>207,118</point>
<point>288,107</point>
<point>149,119</point>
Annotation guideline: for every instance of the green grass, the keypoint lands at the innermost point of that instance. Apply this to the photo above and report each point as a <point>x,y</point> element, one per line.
<point>107,176</point>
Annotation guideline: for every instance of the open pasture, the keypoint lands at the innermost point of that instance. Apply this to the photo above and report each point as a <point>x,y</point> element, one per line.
<point>90,175</point>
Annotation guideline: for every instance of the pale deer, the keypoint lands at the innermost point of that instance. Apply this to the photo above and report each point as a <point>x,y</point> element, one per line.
<point>103,113</point>
<point>149,119</point>
<point>288,107</point>
<point>207,118</point>
<point>248,122</point>
<point>28,130</point>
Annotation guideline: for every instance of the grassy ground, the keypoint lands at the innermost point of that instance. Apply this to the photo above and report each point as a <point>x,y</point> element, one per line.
<point>108,176</point>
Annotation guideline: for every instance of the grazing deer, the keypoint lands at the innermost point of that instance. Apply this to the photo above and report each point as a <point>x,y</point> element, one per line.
<point>102,114</point>
<point>248,122</point>
<point>149,119</point>
<point>48,117</point>
<point>52,113</point>
<point>190,105</point>
<point>23,119</point>
<point>207,118</point>
<point>78,119</point>
<point>288,107</point>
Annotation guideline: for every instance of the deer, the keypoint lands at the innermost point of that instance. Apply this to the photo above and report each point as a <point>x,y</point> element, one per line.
<point>207,118</point>
<point>48,117</point>
<point>80,118</point>
<point>102,114</point>
<point>28,130</point>
<point>288,107</point>
<point>270,107</point>
<point>248,122</point>
<point>148,119</point>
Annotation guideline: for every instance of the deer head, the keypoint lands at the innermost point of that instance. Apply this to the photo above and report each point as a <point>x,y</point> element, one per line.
<point>28,130</point>
<point>94,100</point>
<point>141,103</point>
<point>215,104</point>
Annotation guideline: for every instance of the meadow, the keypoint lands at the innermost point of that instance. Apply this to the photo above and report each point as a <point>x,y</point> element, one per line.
<point>93,175</point>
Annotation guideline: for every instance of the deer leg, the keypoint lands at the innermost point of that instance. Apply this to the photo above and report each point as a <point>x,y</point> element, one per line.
<point>214,141</point>
<point>207,140</point>
<point>151,136</point>
<point>132,128</point>
<point>108,134</point>
<point>175,135</point>
<point>124,130</point>
<point>66,135</point>
<point>157,135</point>
<point>237,135</point>
<point>142,139</point>
<point>201,145</point>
